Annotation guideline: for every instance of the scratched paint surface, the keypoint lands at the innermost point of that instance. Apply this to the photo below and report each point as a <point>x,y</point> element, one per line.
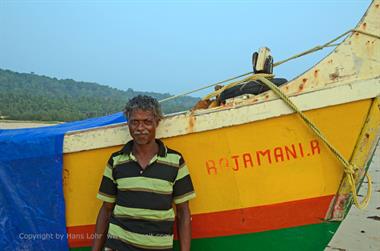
<point>355,58</point>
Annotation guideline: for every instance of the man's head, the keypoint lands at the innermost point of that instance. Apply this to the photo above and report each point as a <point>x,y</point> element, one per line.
<point>143,114</point>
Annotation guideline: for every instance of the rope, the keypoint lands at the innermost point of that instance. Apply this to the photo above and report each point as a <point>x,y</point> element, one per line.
<point>316,48</point>
<point>349,169</point>
<point>320,47</point>
<point>205,87</point>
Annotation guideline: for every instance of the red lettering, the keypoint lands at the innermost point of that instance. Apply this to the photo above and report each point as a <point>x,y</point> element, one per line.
<point>301,149</point>
<point>314,144</point>
<point>210,165</point>
<point>263,153</point>
<point>225,160</point>
<point>291,152</point>
<point>236,159</point>
<point>247,158</point>
<point>278,154</point>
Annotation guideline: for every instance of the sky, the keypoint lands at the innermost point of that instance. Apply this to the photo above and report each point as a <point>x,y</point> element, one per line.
<point>166,46</point>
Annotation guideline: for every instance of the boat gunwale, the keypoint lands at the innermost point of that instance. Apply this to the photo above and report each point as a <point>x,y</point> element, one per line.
<point>192,122</point>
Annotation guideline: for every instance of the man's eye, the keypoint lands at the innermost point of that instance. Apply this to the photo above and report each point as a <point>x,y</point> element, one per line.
<point>148,122</point>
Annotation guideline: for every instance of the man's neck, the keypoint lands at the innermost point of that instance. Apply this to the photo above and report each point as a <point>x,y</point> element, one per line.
<point>144,153</point>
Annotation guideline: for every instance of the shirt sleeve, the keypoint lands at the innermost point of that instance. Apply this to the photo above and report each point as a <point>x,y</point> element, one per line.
<point>108,188</point>
<point>183,189</point>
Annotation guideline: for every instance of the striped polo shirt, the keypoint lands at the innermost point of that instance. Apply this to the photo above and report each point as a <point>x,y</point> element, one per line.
<point>143,216</point>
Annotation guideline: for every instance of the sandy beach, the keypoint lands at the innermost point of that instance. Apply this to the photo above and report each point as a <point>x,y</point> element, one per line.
<point>4,124</point>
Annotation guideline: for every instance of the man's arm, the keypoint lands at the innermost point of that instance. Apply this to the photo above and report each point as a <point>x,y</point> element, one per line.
<point>184,225</point>
<point>102,223</point>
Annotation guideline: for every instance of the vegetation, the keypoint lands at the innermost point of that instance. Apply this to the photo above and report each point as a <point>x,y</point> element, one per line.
<point>26,96</point>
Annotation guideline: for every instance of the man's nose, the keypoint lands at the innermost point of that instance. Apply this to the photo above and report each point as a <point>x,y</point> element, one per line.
<point>140,126</point>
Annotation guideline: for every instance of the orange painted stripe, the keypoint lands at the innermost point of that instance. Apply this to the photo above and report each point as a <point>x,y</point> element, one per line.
<point>240,221</point>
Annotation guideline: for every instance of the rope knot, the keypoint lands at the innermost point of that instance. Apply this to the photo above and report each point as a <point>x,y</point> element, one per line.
<point>350,169</point>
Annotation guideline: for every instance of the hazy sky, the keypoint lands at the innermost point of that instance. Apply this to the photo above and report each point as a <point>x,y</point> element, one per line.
<point>165,46</point>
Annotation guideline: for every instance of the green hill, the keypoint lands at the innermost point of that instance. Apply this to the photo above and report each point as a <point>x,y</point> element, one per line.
<point>25,96</point>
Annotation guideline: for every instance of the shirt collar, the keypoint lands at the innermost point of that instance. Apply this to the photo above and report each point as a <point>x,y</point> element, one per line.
<point>162,150</point>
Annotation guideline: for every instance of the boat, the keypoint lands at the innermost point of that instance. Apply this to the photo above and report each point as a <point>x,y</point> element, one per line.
<point>265,180</point>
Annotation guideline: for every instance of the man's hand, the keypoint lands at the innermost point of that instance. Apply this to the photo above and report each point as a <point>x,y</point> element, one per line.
<point>184,225</point>
<point>102,223</point>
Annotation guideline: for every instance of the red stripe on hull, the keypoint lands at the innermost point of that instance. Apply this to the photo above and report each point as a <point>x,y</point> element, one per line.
<point>80,236</point>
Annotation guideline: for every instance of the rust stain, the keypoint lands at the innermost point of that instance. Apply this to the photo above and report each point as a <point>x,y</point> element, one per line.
<point>349,42</point>
<point>66,174</point>
<point>377,5</point>
<point>334,76</point>
<point>316,73</point>
<point>266,96</point>
<point>364,25</point>
<point>191,124</point>
<point>330,61</point>
<point>302,86</point>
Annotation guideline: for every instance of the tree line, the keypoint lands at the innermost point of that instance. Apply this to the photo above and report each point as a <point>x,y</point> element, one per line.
<point>27,96</point>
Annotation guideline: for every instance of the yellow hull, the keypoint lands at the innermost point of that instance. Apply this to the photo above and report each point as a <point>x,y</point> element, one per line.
<point>255,164</point>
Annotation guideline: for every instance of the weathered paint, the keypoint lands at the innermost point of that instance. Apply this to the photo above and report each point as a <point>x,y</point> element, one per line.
<point>212,119</point>
<point>360,158</point>
<point>356,58</point>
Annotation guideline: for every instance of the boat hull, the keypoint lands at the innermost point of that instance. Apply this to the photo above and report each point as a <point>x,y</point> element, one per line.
<point>267,184</point>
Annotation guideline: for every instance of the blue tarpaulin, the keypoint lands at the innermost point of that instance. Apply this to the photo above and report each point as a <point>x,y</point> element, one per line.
<point>32,208</point>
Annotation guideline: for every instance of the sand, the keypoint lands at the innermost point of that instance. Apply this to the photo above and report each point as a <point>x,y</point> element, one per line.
<point>12,124</point>
<point>361,228</point>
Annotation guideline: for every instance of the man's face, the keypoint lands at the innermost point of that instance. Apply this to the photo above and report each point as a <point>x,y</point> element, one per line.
<point>142,126</point>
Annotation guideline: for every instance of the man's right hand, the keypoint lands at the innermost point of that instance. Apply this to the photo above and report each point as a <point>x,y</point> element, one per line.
<point>102,223</point>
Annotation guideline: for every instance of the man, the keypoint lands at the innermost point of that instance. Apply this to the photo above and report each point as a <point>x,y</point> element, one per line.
<point>139,186</point>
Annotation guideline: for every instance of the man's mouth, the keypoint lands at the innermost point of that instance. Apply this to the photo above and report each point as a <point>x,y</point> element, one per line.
<point>140,134</point>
